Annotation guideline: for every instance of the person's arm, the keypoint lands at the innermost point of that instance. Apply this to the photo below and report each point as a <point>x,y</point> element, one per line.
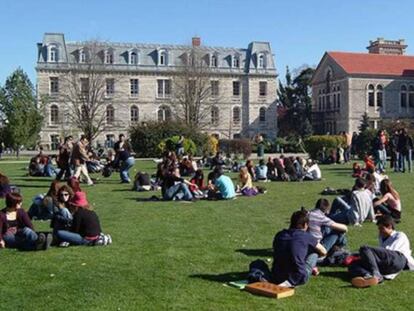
<point>321,250</point>
<point>76,222</point>
<point>382,200</point>
<point>339,227</point>
<point>25,219</point>
<point>190,183</point>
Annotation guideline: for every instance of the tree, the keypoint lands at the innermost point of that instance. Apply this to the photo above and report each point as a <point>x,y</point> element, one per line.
<point>364,123</point>
<point>194,93</point>
<point>86,86</point>
<point>20,113</point>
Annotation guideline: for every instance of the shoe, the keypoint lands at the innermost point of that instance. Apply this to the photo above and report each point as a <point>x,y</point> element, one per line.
<point>109,238</point>
<point>349,260</point>
<point>64,244</point>
<point>40,243</point>
<point>362,282</point>
<point>315,271</point>
<point>48,241</point>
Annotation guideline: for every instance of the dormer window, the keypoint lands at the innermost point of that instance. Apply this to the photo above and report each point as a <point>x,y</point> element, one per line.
<point>82,56</point>
<point>162,58</point>
<point>261,61</point>
<point>133,57</point>
<point>236,61</point>
<point>213,61</point>
<point>109,57</point>
<point>53,54</point>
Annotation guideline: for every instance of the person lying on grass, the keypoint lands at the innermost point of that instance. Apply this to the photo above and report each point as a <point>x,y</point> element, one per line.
<point>295,253</point>
<point>86,229</point>
<point>384,262</point>
<point>16,229</point>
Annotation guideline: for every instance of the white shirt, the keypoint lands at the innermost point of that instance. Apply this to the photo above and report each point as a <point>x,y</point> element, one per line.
<point>398,241</point>
<point>315,171</point>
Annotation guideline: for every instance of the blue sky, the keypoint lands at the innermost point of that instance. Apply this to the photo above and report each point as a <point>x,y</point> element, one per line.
<point>299,31</point>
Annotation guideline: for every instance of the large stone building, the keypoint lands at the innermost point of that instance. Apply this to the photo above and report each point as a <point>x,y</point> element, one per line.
<point>139,88</point>
<point>346,85</point>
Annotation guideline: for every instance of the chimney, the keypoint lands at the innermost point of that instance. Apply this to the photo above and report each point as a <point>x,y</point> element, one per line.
<point>390,47</point>
<point>196,41</point>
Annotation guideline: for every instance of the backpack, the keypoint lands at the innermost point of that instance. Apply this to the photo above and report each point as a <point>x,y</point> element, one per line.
<point>107,171</point>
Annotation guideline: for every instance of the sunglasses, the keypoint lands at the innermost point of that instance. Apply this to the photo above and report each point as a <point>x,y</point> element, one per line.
<point>66,194</point>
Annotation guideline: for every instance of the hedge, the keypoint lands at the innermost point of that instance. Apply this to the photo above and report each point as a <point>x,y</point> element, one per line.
<point>315,144</point>
<point>236,146</point>
<point>171,142</point>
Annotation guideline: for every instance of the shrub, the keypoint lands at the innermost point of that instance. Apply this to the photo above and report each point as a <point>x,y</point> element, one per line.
<point>145,137</point>
<point>236,146</point>
<point>287,144</point>
<point>170,143</point>
<point>315,144</point>
<point>365,142</point>
<point>212,146</point>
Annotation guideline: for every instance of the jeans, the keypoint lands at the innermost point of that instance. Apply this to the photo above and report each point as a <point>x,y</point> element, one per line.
<point>24,239</point>
<point>71,237</point>
<point>64,171</point>
<point>310,262</point>
<point>179,191</point>
<point>339,211</point>
<point>396,163</point>
<point>332,238</point>
<point>125,167</point>
<point>377,261</point>
<point>381,159</point>
<point>405,157</point>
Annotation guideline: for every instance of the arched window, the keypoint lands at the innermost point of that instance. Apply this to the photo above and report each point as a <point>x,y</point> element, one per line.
<point>164,114</point>
<point>380,96</point>
<point>403,96</point>
<point>54,55</point>
<point>371,95</point>
<point>54,114</point>
<point>133,58</point>
<point>162,58</point>
<point>411,96</point>
<point>236,115</point>
<point>262,115</point>
<point>213,61</point>
<point>134,114</point>
<point>110,114</point>
<point>109,56</point>
<point>236,61</point>
<point>214,115</point>
<point>261,61</point>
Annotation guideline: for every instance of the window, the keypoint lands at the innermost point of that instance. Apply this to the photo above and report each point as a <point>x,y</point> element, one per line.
<point>162,60</point>
<point>134,114</point>
<point>371,96</point>
<point>54,85</point>
<point>214,115</point>
<point>84,113</point>
<point>82,56</point>
<point>236,61</point>
<point>164,88</point>
<point>411,96</point>
<point>54,142</point>
<point>380,95</point>
<point>338,100</point>
<point>236,115</point>
<point>192,88</point>
<point>134,87</point>
<point>403,96</point>
<point>320,103</point>
<point>53,54</point>
<point>262,88</point>
<point>261,61</point>
<point>84,87</point>
<point>262,115</point>
<point>236,88</point>
<point>164,114</point>
<point>214,88</point>
<point>133,58</point>
<point>110,87</point>
<point>109,57</point>
<point>213,62</point>
<point>54,114</point>
<point>110,115</point>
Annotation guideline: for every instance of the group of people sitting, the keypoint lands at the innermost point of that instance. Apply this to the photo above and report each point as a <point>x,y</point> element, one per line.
<point>72,219</point>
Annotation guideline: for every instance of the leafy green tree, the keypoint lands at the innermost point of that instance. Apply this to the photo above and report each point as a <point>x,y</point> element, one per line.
<point>364,123</point>
<point>21,117</point>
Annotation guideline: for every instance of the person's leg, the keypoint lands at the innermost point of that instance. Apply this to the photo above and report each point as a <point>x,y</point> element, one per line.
<point>311,261</point>
<point>187,195</point>
<point>85,173</point>
<point>71,237</point>
<point>396,161</point>
<point>10,240</point>
<point>77,173</point>
<point>170,193</point>
<point>409,160</point>
<point>402,162</point>
<point>333,238</point>
<point>125,167</point>
<point>26,239</point>
<point>384,158</point>
<point>383,209</point>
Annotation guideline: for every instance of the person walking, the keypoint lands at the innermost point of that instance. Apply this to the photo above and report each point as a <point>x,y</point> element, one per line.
<point>63,158</point>
<point>79,158</point>
<point>124,158</point>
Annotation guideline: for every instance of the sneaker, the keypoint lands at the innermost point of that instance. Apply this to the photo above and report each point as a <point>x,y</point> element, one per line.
<point>64,244</point>
<point>40,243</point>
<point>48,241</point>
<point>108,236</point>
<point>349,260</point>
<point>315,271</point>
<point>366,281</point>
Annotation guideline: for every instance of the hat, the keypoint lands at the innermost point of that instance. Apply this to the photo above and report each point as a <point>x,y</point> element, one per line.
<point>79,199</point>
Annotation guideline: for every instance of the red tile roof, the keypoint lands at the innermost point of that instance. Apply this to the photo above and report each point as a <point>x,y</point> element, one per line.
<point>378,64</point>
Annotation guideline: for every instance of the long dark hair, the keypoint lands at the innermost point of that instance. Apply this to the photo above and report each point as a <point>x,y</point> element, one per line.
<point>386,187</point>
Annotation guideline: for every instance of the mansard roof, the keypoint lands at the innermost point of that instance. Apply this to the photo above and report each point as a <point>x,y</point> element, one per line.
<point>374,64</point>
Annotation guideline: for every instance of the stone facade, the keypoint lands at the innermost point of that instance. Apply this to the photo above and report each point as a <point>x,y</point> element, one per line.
<point>149,63</point>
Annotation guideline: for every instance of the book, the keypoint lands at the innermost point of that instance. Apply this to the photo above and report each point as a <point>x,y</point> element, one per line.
<point>269,290</point>
<point>239,284</point>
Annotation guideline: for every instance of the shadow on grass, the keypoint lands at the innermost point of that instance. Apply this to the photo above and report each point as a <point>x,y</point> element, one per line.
<point>265,252</point>
<point>222,278</point>
<point>343,275</point>
<point>34,179</point>
<point>30,186</point>
<point>122,190</point>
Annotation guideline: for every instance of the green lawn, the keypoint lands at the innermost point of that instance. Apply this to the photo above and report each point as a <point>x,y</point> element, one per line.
<point>179,256</point>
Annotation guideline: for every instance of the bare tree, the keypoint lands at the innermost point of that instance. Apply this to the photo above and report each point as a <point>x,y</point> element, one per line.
<point>86,87</point>
<point>194,92</point>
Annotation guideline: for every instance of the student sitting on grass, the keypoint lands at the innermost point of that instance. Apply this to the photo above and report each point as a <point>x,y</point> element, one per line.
<point>357,210</point>
<point>384,262</point>
<point>313,172</point>
<point>247,187</point>
<point>390,203</point>
<point>174,187</point>
<point>199,189</point>
<point>261,171</point>
<point>324,229</point>
<point>4,185</point>
<point>223,187</point>
<point>86,229</point>
<point>16,229</point>
<point>62,217</point>
<point>142,182</point>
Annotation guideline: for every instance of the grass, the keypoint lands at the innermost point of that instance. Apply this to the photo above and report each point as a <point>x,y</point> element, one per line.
<point>176,256</point>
